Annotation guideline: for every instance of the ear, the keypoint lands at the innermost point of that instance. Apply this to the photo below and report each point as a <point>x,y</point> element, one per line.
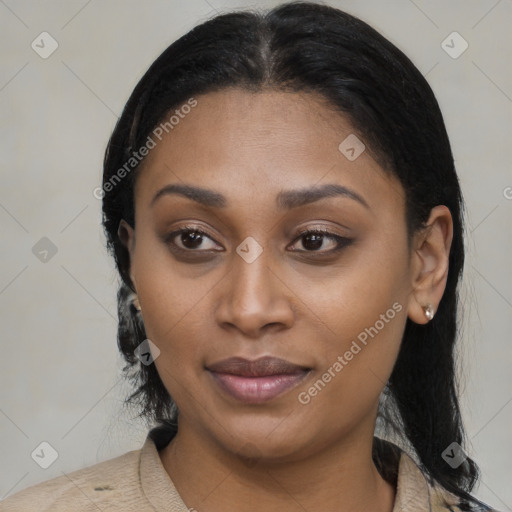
<point>127,236</point>
<point>429,263</point>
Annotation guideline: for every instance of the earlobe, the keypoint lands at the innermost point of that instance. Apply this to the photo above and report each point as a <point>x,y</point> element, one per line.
<point>429,265</point>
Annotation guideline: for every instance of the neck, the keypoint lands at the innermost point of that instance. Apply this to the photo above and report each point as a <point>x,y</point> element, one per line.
<point>339,478</point>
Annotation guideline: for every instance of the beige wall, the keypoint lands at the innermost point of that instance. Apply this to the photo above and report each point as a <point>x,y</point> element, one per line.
<point>59,364</point>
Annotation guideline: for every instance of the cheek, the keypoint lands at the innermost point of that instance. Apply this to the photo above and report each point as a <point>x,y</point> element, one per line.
<point>173,323</point>
<point>365,295</point>
<point>167,295</point>
<point>346,389</point>
<point>364,308</point>
<point>361,352</point>
<point>173,313</point>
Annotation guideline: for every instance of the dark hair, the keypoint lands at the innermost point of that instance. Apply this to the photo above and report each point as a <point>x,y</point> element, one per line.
<point>312,48</point>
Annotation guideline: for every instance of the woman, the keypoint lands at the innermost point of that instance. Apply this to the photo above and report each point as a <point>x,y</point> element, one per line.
<point>280,199</point>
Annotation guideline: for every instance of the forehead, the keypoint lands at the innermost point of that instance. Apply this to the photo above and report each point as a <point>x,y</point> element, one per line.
<point>249,144</point>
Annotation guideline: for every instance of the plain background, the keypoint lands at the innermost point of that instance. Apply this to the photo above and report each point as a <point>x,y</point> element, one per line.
<point>59,366</point>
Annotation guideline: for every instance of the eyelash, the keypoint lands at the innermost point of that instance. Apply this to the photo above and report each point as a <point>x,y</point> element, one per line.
<point>341,241</point>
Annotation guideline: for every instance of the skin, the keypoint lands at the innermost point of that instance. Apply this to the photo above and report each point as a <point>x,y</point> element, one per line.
<point>294,301</point>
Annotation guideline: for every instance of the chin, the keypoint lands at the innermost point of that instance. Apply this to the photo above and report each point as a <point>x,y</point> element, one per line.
<point>267,441</point>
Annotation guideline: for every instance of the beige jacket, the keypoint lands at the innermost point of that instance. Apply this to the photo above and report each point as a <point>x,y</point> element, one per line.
<point>138,482</point>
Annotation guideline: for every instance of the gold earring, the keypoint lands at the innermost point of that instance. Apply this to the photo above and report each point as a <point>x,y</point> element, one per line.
<point>429,311</point>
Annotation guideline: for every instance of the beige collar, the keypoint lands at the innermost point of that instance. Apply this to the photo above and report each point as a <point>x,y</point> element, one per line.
<point>413,490</point>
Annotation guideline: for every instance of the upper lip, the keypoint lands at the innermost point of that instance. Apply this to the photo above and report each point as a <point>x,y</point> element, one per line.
<point>262,367</point>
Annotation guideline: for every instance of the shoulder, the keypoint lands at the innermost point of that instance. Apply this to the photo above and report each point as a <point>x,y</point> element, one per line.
<point>415,489</point>
<point>441,499</point>
<point>89,489</point>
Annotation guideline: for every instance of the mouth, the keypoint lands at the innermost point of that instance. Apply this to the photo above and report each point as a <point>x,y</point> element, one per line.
<point>256,381</point>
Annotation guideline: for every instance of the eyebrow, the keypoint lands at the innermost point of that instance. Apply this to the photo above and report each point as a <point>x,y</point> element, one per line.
<point>286,199</point>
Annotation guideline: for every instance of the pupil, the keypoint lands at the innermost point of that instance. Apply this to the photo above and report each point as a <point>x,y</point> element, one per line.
<point>193,236</point>
<point>316,239</point>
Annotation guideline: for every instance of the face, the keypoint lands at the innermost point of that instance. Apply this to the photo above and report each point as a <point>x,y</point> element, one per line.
<point>256,268</point>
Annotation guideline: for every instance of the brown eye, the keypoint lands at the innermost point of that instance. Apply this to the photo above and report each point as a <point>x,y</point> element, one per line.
<point>190,239</point>
<point>313,240</point>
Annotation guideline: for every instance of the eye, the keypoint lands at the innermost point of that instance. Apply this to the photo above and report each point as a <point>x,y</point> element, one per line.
<point>190,239</point>
<point>313,240</point>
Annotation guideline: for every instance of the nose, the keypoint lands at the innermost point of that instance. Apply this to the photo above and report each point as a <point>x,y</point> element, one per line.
<point>254,297</point>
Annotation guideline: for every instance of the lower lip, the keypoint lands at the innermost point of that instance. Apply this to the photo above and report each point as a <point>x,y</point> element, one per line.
<point>254,390</point>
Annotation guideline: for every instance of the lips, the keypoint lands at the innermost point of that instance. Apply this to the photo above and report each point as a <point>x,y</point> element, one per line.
<point>256,381</point>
